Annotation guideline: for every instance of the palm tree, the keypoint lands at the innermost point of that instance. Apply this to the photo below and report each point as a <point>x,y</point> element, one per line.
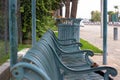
<point>110,13</point>
<point>6,25</point>
<point>116,11</point>
<point>74,8</point>
<point>67,12</point>
<point>116,8</point>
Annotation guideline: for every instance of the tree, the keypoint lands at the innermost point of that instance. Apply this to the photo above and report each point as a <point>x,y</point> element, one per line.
<point>67,11</point>
<point>4,21</point>
<point>6,25</point>
<point>95,16</point>
<point>44,20</point>
<point>116,8</point>
<point>110,13</point>
<point>116,12</point>
<point>19,22</point>
<point>74,8</point>
<point>61,6</point>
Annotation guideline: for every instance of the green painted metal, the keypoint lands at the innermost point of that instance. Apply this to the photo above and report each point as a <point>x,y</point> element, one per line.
<point>69,28</point>
<point>19,69</point>
<point>115,18</point>
<point>105,32</point>
<point>33,22</point>
<point>13,31</point>
<point>42,62</point>
<point>67,50</point>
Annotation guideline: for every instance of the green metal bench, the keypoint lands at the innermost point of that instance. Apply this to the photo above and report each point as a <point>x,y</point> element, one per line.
<point>72,59</point>
<point>43,63</point>
<point>70,55</point>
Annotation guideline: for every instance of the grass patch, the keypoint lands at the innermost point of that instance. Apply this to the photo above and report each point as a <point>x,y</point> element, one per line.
<point>87,45</point>
<point>22,46</point>
<point>4,57</point>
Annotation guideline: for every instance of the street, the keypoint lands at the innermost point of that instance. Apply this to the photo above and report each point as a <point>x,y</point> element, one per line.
<point>92,33</point>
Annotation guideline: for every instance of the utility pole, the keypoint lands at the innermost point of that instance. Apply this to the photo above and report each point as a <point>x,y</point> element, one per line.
<point>101,30</point>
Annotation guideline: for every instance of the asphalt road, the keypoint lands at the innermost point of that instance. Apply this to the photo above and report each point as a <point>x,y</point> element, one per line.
<point>92,33</point>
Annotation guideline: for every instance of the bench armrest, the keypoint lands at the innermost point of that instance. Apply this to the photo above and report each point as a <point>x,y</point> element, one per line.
<point>87,53</point>
<point>108,70</point>
<point>18,71</point>
<point>75,43</point>
<point>67,40</point>
<point>67,44</point>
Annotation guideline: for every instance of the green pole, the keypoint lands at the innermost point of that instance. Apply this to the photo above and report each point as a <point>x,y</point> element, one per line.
<point>104,32</point>
<point>13,31</point>
<point>33,22</point>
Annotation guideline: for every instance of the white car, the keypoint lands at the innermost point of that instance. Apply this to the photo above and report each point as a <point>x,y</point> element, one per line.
<point>82,24</point>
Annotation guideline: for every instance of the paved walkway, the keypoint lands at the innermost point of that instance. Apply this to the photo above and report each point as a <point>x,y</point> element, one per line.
<point>92,33</point>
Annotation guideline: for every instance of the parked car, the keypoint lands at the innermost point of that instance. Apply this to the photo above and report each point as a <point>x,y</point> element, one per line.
<point>82,24</point>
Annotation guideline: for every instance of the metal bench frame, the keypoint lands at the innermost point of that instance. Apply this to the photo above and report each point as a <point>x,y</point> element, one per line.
<point>42,62</point>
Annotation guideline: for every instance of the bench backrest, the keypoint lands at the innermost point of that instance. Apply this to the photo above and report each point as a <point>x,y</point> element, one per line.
<point>52,34</point>
<point>42,56</point>
<point>54,43</point>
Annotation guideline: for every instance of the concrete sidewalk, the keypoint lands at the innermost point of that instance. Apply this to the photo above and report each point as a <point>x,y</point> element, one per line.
<point>92,33</point>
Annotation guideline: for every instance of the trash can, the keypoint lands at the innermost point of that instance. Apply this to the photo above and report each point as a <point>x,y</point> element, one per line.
<point>67,31</point>
<point>68,28</point>
<point>115,33</point>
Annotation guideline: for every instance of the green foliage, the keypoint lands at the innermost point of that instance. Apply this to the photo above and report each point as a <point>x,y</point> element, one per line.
<point>1,25</point>
<point>25,10</point>
<point>44,10</point>
<point>110,13</point>
<point>22,46</point>
<point>43,25</point>
<point>95,16</point>
<point>4,57</point>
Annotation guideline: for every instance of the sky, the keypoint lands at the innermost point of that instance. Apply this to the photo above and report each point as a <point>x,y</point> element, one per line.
<point>86,6</point>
